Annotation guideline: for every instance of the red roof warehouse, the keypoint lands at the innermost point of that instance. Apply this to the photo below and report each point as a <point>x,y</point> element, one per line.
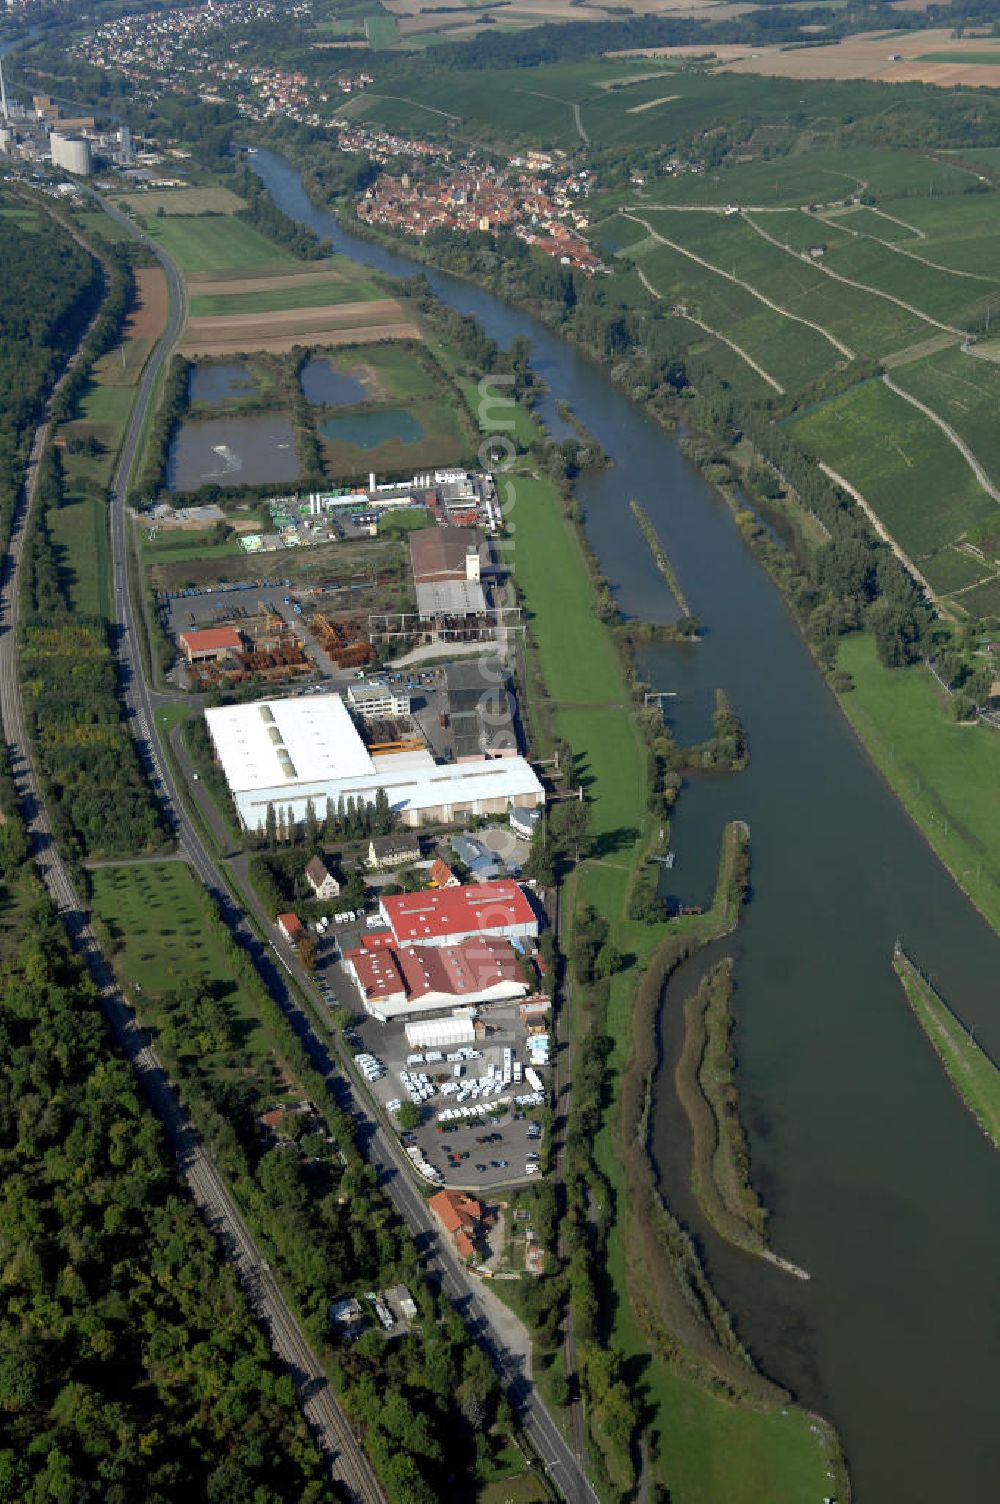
<point>447,915</point>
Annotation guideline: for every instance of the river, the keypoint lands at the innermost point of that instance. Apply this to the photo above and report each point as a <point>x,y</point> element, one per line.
<point>878,1181</point>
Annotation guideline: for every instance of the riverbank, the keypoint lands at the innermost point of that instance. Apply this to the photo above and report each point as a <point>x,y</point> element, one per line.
<point>970,1070</point>
<point>705,1079</point>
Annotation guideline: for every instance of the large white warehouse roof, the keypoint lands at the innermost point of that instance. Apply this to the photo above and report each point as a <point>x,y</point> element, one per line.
<point>278,744</point>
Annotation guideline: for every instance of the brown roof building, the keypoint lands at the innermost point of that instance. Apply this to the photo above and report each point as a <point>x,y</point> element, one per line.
<point>462,1218</point>
<point>447,565</point>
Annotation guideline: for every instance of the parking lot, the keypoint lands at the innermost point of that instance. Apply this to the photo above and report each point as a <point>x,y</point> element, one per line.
<point>485,1151</point>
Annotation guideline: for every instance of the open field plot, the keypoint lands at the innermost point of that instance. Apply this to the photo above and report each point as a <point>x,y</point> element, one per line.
<point>947,775</point>
<point>941,294</point>
<point>953,568</point>
<point>217,243</point>
<point>277,294</point>
<point>282,329</point>
<point>896,57</point>
<point>966,393</point>
<point>983,600</point>
<point>382,31</point>
<point>903,465</point>
<point>184,201</point>
<point>97,223</point>
<point>791,353</point>
<point>123,365</point>
<point>79,533</point>
<point>103,412</point>
<point>864,322</point>
<point>154,914</point>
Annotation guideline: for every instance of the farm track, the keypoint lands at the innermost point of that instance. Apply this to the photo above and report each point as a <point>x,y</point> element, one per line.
<point>881,529</point>
<point>970,459</point>
<point>715,333</point>
<point>875,292</point>
<point>348,1464</point>
<point>796,318</point>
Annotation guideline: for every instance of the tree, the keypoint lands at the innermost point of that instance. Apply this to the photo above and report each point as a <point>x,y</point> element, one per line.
<point>271,828</point>
<point>409,1116</point>
<point>569,826</point>
<point>307,952</point>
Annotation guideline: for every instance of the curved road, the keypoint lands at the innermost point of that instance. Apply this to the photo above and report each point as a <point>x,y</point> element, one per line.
<point>486,1318</point>
<point>349,1466</point>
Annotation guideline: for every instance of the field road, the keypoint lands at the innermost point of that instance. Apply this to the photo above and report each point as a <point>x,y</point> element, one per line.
<point>876,292</point>
<point>715,333</point>
<point>796,318</point>
<point>949,433</point>
<point>349,1466</point>
<point>487,1319</point>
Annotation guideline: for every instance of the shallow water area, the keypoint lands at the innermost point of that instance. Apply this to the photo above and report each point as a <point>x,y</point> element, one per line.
<point>214,381</point>
<point>233,451</point>
<point>324,386</point>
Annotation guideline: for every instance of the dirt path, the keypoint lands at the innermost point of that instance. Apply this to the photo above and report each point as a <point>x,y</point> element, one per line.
<point>949,433</point>
<point>715,333</point>
<point>796,318</point>
<point>880,528</point>
<point>875,292</point>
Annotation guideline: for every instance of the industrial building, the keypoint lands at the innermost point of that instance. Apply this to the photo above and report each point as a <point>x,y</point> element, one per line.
<point>71,153</point>
<point>446,916</point>
<point>480,711</point>
<point>295,752</point>
<point>448,566</point>
<point>377,700</point>
<point>211,645</point>
<point>397,981</point>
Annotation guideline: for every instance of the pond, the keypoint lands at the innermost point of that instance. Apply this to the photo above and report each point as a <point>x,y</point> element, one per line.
<point>324,386</point>
<point>368,430</point>
<point>216,382</point>
<point>232,451</point>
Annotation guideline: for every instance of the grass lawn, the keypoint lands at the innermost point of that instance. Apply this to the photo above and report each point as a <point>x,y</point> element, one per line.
<point>154,913</point>
<point>217,243</point>
<point>971,1071</point>
<point>904,466</point>
<point>79,532</point>
<point>381,31</point>
<point>523,1488</point>
<point>320,293</point>
<point>946,775</point>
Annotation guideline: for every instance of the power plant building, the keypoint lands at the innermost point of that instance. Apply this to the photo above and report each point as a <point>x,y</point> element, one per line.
<point>71,153</point>
<point>295,752</point>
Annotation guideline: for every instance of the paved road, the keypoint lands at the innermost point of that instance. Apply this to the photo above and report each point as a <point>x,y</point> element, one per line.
<point>487,1319</point>
<point>349,1466</point>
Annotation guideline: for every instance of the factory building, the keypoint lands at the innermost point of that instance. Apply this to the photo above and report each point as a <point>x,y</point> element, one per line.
<point>296,752</point>
<point>399,981</point>
<point>448,565</point>
<point>71,153</point>
<point>446,916</point>
<point>480,711</point>
<point>212,645</point>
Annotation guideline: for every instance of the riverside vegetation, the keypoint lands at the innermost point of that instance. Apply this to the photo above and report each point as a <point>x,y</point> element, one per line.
<point>706,1089</point>
<point>970,1070</point>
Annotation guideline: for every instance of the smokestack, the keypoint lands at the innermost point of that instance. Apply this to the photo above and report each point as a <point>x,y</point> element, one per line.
<point>3,94</point>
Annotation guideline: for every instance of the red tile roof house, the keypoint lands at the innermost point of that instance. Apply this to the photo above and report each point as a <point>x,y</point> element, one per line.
<point>462,1218</point>
<point>291,927</point>
<point>441,875</point>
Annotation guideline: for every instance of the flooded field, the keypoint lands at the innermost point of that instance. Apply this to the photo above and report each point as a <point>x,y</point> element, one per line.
<point>232,451</point>
<point>216,382</point>
<point>368,430</point>
<point>324,386</point>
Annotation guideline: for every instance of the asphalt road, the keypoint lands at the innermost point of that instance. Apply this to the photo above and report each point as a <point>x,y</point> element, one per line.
<point>487,1320</point>
<point>349,1466</point>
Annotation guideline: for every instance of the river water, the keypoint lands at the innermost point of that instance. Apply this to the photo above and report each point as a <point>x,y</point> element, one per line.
<point>878,1181</point>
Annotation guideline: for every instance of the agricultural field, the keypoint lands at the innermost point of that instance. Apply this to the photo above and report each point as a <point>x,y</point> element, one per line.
<point>81,550</point>
<point>907,470</point>
<point>282,329</point>
<point>217,243</point>
<point>183,201</point>
<point>279,293</point>
<point>790,352</point>
<point>862,321</point>
<point>965,392</point>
